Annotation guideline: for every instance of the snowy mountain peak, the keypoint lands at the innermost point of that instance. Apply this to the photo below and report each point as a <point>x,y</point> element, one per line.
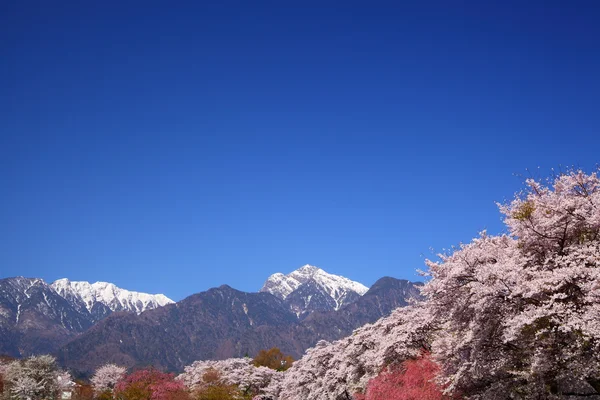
<point>339,288</point>
<point>90,295</point>
<point>308,269</point>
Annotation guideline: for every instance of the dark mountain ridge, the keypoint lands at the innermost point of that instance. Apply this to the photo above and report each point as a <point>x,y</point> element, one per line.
<point>223,322</point>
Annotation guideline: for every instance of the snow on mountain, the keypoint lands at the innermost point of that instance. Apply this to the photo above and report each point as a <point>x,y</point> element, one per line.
<point>91,295</point>
<point>34,319</point>
<point>37,318</point>
<point>339,288</point>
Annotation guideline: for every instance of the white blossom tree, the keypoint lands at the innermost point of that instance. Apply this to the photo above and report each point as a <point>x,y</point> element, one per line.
<point>3,368</point>
<point>64,380</point>
<point>36,377</point>
<point>521,311</point>
<point>25,388</point>
<point>234,371</point>
<point>106,377</point>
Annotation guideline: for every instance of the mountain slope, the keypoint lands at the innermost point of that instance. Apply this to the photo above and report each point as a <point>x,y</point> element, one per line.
<point>35,319</point>
<point>219,323</point>
<point>310,297</point>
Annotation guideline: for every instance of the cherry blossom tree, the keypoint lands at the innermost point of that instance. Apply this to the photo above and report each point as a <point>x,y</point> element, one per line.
<point>106,378</point>
<point>520,312</point>
<point>3,368</point>
<point>25,388</point>
<point>234,371</point>
<point>64,381</point>
<point>36,377</point>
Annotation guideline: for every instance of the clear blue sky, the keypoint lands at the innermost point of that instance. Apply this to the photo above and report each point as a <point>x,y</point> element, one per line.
<point>170,147</point>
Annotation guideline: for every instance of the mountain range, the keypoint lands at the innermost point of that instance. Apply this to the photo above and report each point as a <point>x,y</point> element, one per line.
<point>37,317</point>
<point>88,325</point>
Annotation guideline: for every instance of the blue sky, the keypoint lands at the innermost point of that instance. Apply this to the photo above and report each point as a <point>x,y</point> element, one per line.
<point>172,147</point>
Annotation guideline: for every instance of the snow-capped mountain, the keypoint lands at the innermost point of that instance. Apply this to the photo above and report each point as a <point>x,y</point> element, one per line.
<point>96,296</point>
<point>36,317</point>
<point>310,289</point>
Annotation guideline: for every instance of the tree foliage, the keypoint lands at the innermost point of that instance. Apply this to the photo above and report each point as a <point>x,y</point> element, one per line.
<point>83,391</point>
<point>37,377</point>
<point>106,378</point>
<point>2,369</point>
<point>520,312</point>
<point>415,379</point>
<point>239,372</point>
<point>214,387</point>
<point>274,359</point>
<point>150,384</point>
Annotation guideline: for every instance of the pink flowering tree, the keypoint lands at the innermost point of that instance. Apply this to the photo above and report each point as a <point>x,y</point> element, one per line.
<point>520,312</point>
<point>415,379</point>
<point>150,384</point>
